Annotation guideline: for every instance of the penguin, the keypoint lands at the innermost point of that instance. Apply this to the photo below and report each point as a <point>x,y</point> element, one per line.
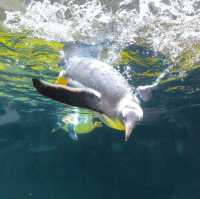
<point>89,83</point>
<point>77,123</point>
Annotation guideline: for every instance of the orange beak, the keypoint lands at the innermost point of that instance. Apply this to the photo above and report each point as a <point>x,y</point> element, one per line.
<point>128,130</point>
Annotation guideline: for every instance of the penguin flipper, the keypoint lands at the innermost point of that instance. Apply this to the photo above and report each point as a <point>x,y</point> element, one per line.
<point>145,92</point>
<point>80,97</point>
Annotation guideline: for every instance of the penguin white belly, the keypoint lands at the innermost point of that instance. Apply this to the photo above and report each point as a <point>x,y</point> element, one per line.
<point>99,76</point>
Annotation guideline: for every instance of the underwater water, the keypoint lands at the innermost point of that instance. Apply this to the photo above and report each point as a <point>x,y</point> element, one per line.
<point>141,38</point>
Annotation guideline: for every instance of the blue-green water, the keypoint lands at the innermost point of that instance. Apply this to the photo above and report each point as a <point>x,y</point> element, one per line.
<point>161,159</point>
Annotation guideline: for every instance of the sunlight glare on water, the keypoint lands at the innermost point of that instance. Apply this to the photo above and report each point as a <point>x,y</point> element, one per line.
<point>168,26</point>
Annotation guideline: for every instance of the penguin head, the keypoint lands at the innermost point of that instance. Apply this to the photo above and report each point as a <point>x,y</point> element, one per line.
<point>130,113</point>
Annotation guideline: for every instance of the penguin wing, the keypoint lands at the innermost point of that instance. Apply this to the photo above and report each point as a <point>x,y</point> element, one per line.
<point>83,97</point>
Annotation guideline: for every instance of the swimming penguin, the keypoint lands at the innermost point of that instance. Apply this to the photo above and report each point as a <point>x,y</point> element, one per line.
<point>77,123</point>
<point>97,86</point>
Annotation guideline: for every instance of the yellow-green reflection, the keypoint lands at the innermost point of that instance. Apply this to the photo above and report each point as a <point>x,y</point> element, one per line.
<point>21,59</point>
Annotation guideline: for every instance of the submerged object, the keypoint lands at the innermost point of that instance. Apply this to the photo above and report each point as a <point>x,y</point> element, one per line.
<point>96,86</point>
<point>78,123</point>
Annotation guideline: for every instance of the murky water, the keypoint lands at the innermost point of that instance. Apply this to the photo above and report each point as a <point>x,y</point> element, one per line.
<point>141,39</point>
